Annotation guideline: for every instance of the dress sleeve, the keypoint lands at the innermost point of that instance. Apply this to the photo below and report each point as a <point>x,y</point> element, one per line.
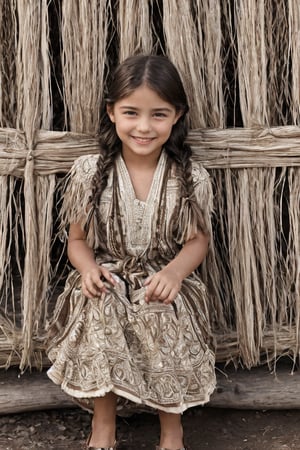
<point>77,191</point>
<point>203,192</point>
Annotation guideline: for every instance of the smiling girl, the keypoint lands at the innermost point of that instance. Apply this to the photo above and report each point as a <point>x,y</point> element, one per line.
<point>132,324</point>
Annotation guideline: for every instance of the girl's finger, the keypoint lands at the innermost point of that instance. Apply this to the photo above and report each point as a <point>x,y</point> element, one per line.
<point>165,293</point>
<point>150,284</point>
<point>93,287</point>
<point>171,297</point>
<point>109,276</point>
<point>158,293</point>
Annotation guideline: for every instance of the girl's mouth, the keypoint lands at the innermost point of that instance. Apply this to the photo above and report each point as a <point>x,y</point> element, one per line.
<point>142,140</point>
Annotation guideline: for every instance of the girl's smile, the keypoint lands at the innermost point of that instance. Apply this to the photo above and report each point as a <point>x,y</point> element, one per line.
<point>142,140</point>
<point>143,122</point>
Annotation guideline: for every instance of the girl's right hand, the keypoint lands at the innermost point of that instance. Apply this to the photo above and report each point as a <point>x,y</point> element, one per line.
<point>92,281</point>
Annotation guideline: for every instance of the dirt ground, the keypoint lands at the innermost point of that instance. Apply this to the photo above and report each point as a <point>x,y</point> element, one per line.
<point>205,428</point>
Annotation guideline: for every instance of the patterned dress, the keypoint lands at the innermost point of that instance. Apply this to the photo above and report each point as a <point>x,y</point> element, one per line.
<point>153,355</point>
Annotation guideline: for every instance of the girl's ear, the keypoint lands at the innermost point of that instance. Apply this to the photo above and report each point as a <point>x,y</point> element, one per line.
<point>110,112</point>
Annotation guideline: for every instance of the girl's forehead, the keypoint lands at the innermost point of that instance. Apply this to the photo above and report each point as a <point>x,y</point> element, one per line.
<point>145,95</point>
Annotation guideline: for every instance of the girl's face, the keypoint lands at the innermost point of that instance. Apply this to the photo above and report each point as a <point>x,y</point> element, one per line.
<point>143,122</point>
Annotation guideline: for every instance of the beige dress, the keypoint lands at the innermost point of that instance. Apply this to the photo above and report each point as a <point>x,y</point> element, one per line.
<point>150,354</point>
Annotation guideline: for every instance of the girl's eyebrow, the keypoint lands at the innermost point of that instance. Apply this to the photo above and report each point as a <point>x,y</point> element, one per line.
<point>128,107</point>
<point>154,110</point>
<point>162,109</point>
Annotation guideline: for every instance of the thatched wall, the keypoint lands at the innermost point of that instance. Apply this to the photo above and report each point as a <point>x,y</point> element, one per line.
<point>240,62</point>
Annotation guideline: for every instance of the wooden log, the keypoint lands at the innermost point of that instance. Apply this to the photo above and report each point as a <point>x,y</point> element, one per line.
<point>257,388</point>
<point>29,392</point>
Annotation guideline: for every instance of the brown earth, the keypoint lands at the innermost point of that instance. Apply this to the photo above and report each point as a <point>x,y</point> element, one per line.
<point>205,428</point>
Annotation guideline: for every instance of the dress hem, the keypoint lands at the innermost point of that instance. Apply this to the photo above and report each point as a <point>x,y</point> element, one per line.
<point>78,395</point>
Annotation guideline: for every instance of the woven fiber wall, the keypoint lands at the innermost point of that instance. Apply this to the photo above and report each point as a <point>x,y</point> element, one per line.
<point>240,62</point>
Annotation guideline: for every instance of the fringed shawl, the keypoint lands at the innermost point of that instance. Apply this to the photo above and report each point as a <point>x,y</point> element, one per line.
<point>77,193</point>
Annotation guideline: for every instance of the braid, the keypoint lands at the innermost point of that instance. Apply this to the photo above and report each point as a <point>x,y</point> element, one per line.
<point>109,149</point>
<point>110,146</point>
<point>189,192</point>
<point>99,181</point>
<point>191,216</point>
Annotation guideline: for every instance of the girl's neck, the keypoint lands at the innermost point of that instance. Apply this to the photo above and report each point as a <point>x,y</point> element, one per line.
<point>143,163</point>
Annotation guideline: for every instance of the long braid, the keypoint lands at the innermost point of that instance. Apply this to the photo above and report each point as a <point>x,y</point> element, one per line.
<point>99,182</point>
<point>109,149</point>
<point>191,217</point>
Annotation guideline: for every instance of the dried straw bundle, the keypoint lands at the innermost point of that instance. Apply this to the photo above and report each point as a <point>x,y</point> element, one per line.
<point>134,23</point>
<point>33,112</point>
<point>193,54</point>
<point>7,65</point>
<point>84,38</point>
<point>294,48</point>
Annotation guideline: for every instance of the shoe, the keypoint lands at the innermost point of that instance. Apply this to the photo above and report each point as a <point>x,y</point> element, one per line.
<point>103,448</point>
<point>114,447</point>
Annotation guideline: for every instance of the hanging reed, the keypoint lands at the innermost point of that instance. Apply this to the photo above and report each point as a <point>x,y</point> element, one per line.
<point>134,25</point>
<point>294,48</point>
<point>185,49</point>
<point>8,86</point>
<point>84,39</point>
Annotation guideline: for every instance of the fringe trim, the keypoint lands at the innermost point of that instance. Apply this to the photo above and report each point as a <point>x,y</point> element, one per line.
<point>76,188</point>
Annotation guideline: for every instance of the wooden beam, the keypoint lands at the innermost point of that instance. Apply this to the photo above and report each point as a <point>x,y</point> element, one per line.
<point>55,151</point>
<point>242,389</point>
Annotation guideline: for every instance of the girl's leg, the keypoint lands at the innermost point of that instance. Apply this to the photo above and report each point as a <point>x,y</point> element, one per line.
<point>104,421</point>
<point>171,431</point>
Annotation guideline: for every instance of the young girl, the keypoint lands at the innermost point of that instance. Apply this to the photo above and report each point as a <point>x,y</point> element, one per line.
<point>132,323</point>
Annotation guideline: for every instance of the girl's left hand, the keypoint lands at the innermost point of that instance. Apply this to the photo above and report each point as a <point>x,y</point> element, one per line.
<point>162,286</point>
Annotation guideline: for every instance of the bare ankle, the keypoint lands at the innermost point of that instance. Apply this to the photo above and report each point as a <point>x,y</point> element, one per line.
<point>173,439</point>
<point>103,434</point>
<point>104,422</point>
<point>171,430</point>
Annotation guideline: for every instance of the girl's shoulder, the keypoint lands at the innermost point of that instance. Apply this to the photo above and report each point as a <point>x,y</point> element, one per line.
<point>199,173</point>
<point>84,167</point>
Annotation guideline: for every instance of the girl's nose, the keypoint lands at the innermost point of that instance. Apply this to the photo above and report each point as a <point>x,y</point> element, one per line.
<point>143,124</point>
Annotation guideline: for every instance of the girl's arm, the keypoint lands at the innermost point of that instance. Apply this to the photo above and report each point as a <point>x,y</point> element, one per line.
<point>165,284</point>
<point>82,258</point>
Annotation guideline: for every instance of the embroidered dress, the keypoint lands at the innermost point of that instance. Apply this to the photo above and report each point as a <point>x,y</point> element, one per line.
<point>151,354</point>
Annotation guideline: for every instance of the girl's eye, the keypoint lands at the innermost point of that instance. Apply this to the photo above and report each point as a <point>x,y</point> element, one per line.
<point>129,113</point>
<point>160,115</point>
